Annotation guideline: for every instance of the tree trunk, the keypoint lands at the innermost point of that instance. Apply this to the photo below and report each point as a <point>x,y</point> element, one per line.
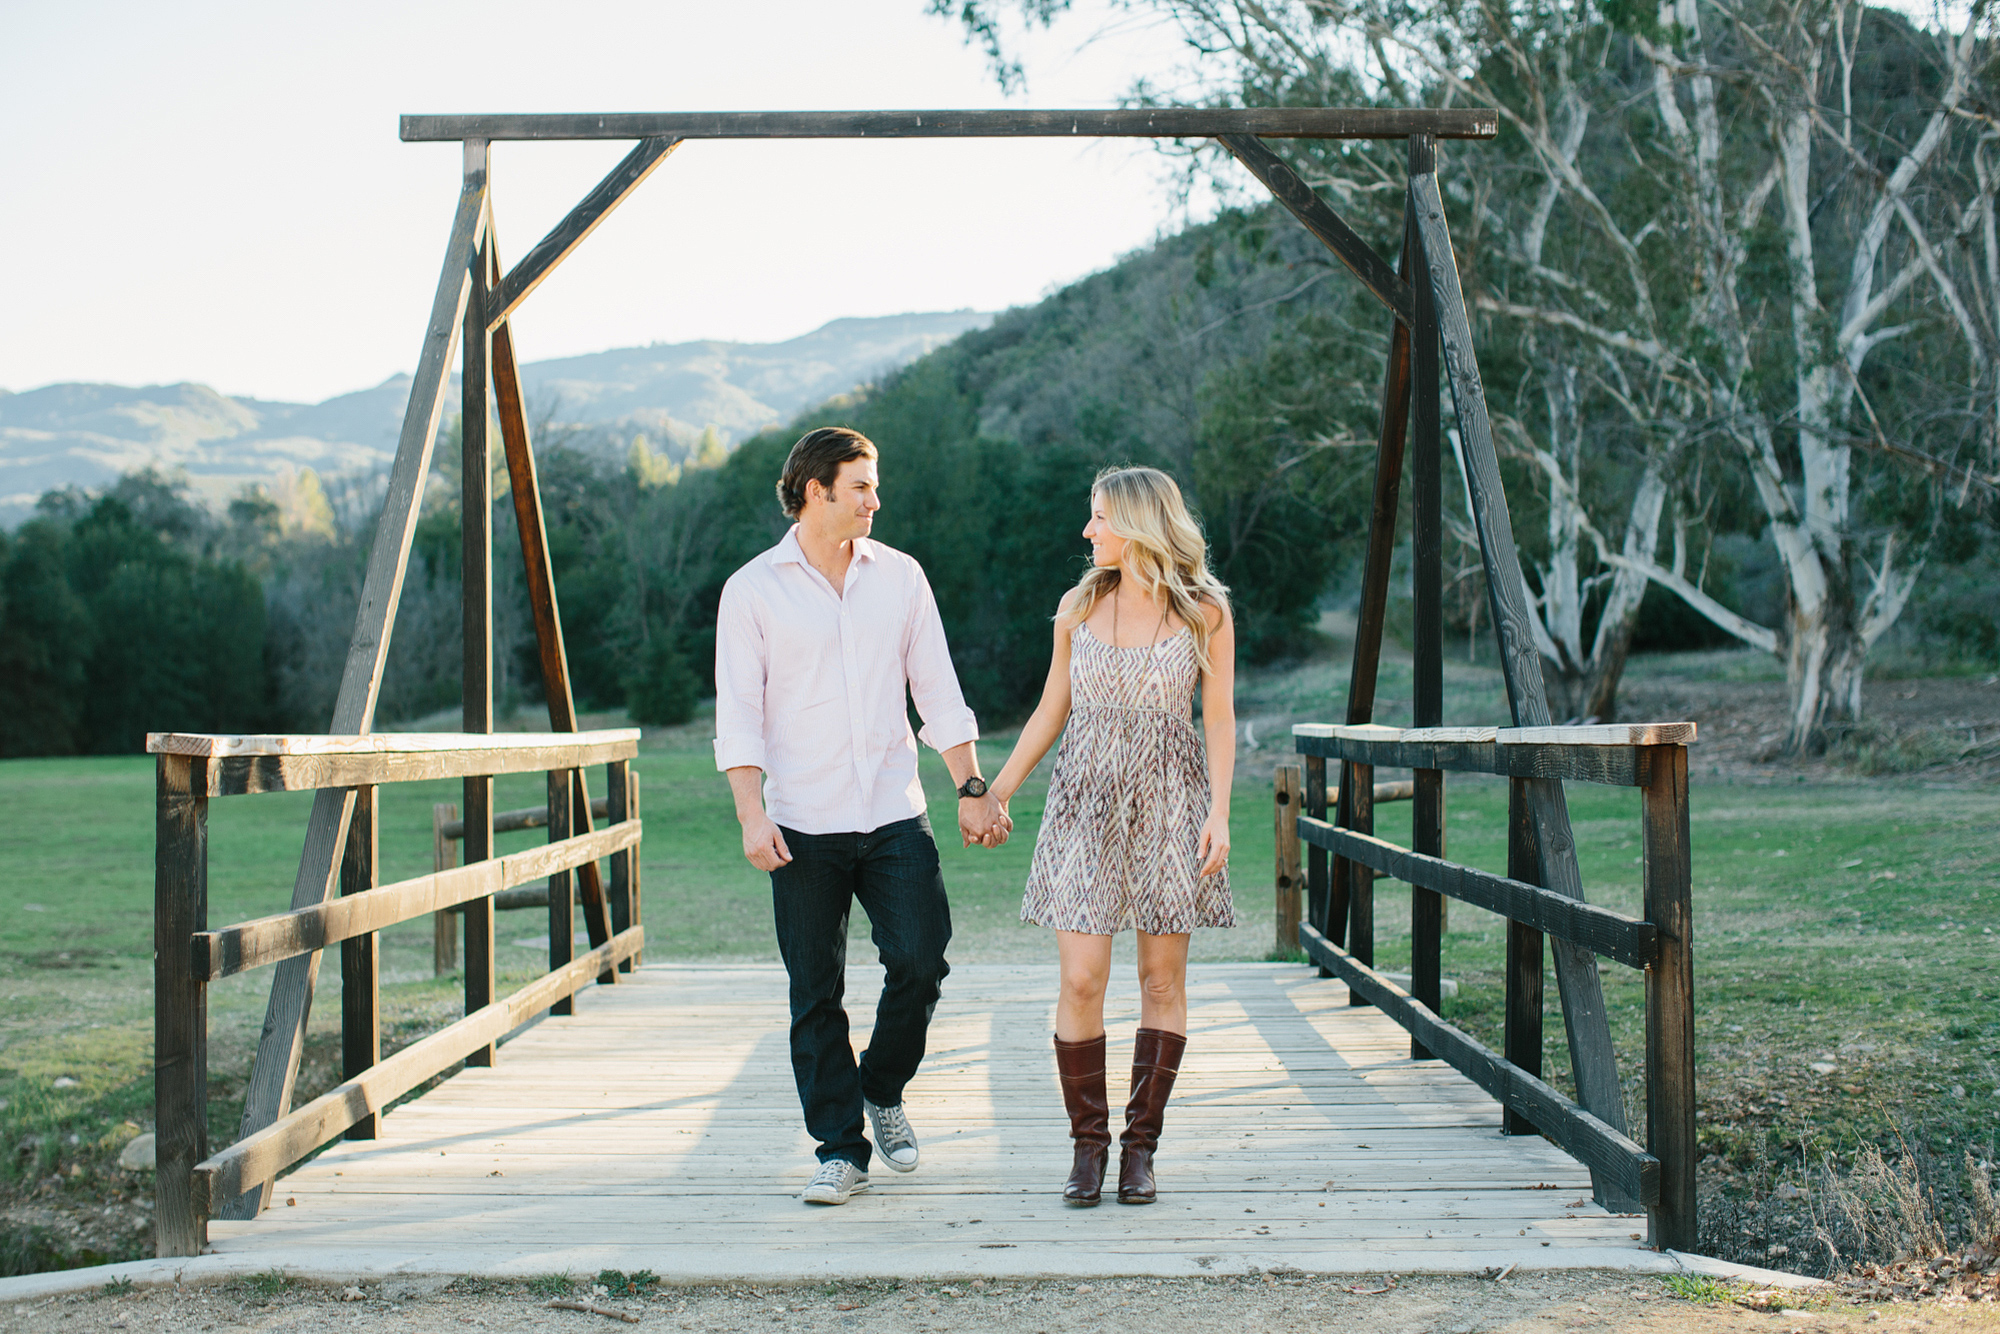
<point>1825,655</point>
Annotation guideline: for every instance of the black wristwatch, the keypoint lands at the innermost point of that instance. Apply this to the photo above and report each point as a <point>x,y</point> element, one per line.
<point>974,787</point>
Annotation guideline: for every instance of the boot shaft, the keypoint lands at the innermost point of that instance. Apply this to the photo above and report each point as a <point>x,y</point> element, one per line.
<point>1080,1066</point>
<point>1156,1060</point>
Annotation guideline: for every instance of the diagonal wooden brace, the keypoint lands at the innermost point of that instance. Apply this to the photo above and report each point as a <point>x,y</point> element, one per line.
<point>1592,1059</point>
<point>269,1094</point>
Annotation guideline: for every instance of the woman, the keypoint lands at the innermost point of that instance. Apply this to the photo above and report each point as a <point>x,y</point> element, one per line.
<point>1134,835</point>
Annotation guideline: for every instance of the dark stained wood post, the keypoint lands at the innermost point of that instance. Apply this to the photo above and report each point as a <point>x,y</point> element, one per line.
<point>1382,511</point>
<point>562,912</point>
<point>180,1003</point>
<point>1586,1023</point>
<point>526,491</point>
<point>1427,579</point>
<point>476,519</point>
<point>638,860</point>
<point>1288,783</point>
<point>1669,905</point>
<point>618,798</point>
<point>444,856</point>
<point>1524,957</point>
<point>1316,887</point>
<point>1340,875</point>
<point>1358,795</point>
<point>360,960</point>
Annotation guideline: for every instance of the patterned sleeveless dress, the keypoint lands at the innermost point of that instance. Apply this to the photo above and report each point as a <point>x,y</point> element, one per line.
<point>1128,798</point>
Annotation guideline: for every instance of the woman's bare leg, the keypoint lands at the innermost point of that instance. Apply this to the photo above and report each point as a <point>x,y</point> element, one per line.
<point>1162,982</point>
<point>1086,971</point>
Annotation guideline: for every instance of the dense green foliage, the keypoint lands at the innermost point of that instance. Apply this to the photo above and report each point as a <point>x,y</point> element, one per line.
<point>129,613</point>
<point>1220,355</point>
<point>1178,358</point>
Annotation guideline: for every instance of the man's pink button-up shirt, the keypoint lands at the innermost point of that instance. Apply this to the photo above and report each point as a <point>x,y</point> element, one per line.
<point>811,686</point>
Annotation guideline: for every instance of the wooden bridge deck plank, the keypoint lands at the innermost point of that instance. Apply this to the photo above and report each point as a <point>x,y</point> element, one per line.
<point>658,1128</point>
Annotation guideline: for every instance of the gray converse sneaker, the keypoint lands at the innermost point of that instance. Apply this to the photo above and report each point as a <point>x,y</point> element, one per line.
<point>834,1182</point>
<point>894,1139</point>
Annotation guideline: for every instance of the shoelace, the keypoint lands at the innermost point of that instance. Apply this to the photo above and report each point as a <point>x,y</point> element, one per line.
<point>830,1172</point>
<point>895,1125</point>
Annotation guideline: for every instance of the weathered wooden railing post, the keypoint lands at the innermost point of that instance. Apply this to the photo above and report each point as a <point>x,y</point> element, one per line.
<point>1288,782</point>
<point>1427,600</point>
<point>633,867</point>
<point>618,796</point>
<point>360,960</point>
<point>444,925</point>
<point>1669,906</point>
<point>562,913</point>
<point>180,1003</point>
<point>1427,905</point>
<point>1360,804</point>
<point>475,483</point>
<point>1317,909</point>
<point>1523,1040</point>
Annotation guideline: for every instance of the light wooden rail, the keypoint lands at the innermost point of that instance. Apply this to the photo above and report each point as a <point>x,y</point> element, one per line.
<point>1337,930</point>
<point>192,1185</point>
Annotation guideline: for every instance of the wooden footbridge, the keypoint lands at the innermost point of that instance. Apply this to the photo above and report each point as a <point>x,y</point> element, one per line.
<point>1328,1118</point>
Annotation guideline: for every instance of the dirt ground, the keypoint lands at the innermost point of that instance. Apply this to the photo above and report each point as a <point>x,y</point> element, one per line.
<point>1941,729</point>
<point>1419,1304</point>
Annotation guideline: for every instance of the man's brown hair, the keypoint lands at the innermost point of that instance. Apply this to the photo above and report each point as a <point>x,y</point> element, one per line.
<point>817,458</point>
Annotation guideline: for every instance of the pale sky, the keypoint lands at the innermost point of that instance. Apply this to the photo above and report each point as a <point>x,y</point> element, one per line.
<point>214,191</point>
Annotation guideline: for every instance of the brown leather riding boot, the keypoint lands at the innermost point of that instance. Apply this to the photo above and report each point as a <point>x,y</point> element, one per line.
<point>1156,1059</point>
<point>1081,1065</point>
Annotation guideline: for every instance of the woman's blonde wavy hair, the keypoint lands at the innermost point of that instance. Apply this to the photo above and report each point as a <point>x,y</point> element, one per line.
<point>1164,547</point>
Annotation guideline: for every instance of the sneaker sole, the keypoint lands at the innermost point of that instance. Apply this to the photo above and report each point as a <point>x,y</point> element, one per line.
<point>810,1198</point>
<point>895,1166</point>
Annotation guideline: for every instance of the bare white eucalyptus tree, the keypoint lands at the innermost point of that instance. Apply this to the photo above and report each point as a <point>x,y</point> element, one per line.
<point>1696,228</point>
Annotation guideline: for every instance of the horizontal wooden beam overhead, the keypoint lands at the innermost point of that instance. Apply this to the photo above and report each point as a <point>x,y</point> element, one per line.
<point>1599,930</point>
<point>1134,123</point>
<point>247,945</point>
<point>1600,1147</point>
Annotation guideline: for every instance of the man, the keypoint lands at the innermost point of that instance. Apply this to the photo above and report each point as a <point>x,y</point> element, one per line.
<point>819,644</point>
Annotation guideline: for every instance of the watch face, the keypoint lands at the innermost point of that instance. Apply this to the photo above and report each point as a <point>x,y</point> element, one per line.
<point>974,787</point>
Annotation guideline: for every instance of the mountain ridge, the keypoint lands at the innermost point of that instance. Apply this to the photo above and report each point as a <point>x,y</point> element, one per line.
<point>84,434</point>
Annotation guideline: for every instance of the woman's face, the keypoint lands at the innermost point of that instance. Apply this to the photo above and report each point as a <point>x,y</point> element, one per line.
<point>1106,547</point>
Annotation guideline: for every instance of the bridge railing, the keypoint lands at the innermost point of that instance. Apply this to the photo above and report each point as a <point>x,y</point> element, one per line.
<point>192,1185</point>
<point>1338,933</point>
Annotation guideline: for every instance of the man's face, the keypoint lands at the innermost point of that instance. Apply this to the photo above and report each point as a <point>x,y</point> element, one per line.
<point>848,511</point>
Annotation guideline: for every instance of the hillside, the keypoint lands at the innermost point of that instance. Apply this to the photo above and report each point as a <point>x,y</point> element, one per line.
<point>88,434</point>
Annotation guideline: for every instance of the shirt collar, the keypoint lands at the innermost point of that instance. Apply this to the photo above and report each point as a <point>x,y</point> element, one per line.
<point>788,550</point>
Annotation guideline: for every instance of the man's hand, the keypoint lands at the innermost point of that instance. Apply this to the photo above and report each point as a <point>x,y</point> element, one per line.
<point>984,821</point>
<point>764,843</point>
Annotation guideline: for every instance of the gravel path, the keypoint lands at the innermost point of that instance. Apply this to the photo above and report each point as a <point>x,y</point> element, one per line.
<point>1417,1304</point>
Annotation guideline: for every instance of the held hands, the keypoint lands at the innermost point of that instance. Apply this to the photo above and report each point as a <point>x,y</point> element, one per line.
<point>1213,849</point>
<point>764,844</point>
<point>983,820</point>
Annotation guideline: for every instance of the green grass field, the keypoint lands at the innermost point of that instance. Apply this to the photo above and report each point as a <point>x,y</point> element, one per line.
<point>1846,943</point>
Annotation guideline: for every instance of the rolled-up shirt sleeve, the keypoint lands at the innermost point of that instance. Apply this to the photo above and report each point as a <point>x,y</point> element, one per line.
<point>933,680</point>
<point>739,681</point>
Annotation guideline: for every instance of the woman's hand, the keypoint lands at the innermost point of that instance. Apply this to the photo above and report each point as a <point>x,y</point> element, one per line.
<point>1213,849</point>
<point>1003,826</point>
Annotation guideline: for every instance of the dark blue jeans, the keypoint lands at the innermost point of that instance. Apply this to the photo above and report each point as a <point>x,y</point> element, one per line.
<point>893,871</point>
